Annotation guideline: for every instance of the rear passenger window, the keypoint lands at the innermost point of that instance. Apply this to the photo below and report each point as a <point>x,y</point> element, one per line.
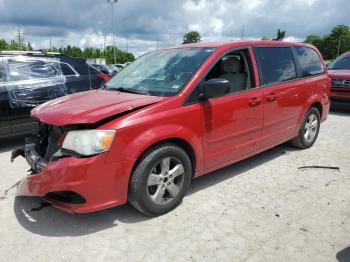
<point>276,64</point>
<point>67,70</point>
<point>309,61</point>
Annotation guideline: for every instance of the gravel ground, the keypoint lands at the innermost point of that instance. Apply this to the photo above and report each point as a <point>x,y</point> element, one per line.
<point>260,209</point>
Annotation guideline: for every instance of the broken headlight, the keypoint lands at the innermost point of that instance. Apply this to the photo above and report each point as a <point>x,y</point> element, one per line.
<point>88,142</point>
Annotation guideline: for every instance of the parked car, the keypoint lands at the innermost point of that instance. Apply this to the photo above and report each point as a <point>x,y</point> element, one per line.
<point>171,116</point>
<point>104,69</point>
<point>117,68</point>
<point>28,79</point>
<point>339,72</point>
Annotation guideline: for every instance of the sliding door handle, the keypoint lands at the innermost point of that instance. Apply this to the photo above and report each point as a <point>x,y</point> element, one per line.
<point>271,97</point>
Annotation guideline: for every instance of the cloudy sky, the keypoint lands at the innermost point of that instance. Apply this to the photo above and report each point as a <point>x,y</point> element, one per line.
<point>143,22</point>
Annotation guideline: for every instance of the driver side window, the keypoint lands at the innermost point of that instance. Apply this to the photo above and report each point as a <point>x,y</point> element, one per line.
<point>235,67</point>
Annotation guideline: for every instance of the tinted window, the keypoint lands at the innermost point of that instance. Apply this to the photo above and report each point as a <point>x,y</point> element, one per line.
<point>309,61</point>
<point>276,64</point>
<point>342,62</point>
<point>29,69</point>
<point>67,70</point>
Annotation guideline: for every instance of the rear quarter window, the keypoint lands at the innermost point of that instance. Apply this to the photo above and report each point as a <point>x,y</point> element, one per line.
<point>67,70</point>
<point>30,69</point>
<point>276,64</point>
<point>309,61</point>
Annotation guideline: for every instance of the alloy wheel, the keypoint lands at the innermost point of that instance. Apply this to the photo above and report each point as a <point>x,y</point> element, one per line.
<point>165,180</point>
<point>310,128</point>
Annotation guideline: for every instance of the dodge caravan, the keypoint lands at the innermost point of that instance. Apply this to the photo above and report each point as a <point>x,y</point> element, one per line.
<point>171,116</point>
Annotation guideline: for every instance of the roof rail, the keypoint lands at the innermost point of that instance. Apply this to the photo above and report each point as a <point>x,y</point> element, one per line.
<point>35,52</point>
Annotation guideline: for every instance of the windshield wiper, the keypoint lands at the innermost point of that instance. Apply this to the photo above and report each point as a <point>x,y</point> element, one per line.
<point>124,90</point>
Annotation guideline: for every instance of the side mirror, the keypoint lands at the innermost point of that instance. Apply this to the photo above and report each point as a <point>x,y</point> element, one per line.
<point>215,87</point>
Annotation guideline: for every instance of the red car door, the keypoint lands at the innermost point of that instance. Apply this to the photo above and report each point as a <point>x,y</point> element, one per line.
<point>232,124</point>
<point>281,93</point>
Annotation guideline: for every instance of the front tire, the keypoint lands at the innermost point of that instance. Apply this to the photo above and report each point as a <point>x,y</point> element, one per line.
<point>160,180</point>
<point>309,130</point>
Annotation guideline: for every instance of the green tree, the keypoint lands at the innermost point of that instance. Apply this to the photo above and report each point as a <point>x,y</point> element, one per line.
<point>29,47</point>
<point>265,38</point>
<point>74,51</point>
<point>3,44</point>
<point>328,44</point>
<point>280,35</point>
<point>191,37</point>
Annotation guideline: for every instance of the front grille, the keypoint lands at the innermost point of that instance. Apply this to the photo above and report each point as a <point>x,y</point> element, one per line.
<point>46,140</point>
<point>340,83</point>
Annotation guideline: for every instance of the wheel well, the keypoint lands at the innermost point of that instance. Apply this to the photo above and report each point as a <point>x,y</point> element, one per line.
<point>180,143</point>
<point>318,105</point>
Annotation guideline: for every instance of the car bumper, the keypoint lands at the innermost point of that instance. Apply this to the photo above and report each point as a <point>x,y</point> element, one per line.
<point>76,185</point>
<point>340,99</point>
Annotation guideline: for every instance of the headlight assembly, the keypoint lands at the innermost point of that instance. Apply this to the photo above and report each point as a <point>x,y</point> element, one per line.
<point>88,142</point>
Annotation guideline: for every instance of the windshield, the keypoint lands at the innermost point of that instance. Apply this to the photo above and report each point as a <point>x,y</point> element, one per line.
<point>160,73</point>
<point>342,62</point>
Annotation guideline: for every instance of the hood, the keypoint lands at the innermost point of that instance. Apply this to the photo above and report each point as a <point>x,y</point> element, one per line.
<point>339,73</point>
<point>89,107</point>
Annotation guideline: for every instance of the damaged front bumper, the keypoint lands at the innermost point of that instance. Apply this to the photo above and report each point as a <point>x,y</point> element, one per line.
<point>76,185</point>
<point>35,161</point>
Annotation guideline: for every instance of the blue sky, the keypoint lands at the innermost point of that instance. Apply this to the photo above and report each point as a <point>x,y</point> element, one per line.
<point>85,22</point>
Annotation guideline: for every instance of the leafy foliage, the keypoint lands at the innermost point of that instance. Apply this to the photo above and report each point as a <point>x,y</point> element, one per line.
<point>191,37</point>
<point>328,44</point>
<point>280,35</point>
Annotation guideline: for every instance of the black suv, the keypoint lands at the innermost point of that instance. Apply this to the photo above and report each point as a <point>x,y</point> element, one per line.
<point>28,79</point>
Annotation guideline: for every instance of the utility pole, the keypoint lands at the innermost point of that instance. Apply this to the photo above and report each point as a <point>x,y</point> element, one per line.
<point>104,43</point>
<point>126,42</point>
<point>50,43</point>
<point>242,37</point>
<point>62,43</point>
<point>339,46</point>
<point>113,2</point>
<point>18,34</point>
<point>157,42</point>
<point>174,39</point>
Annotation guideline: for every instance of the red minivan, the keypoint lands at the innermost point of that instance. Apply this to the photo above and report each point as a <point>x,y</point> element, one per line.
<point>171,116</point>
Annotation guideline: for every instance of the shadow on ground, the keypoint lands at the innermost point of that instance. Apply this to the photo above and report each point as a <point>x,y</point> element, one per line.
<point>50,221</point>
<point>343,255</point>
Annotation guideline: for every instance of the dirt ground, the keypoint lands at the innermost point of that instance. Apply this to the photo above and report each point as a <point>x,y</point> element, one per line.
<point>260,209</point>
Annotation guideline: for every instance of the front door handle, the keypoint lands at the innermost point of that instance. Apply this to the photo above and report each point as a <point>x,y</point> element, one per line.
<point>254,101</point>
<point>271,97</point>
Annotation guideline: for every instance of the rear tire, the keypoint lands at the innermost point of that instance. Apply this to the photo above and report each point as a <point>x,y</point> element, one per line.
<point>309,130</point>
<point>160,180</point>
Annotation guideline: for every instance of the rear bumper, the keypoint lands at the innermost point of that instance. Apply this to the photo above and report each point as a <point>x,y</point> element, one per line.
<point>100,184</point>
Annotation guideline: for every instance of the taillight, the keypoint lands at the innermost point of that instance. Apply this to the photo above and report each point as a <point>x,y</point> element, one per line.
<point>105,77</point>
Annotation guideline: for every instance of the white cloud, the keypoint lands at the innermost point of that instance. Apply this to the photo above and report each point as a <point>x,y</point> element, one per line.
<point>84,22</point>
